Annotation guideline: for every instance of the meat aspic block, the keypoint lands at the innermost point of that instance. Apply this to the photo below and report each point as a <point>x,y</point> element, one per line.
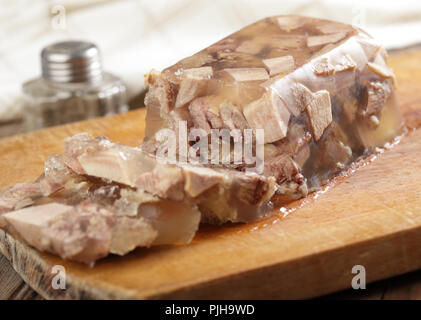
<point>319,91</point>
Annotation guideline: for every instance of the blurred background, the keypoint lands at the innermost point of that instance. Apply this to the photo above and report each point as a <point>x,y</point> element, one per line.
<point>135,36</point>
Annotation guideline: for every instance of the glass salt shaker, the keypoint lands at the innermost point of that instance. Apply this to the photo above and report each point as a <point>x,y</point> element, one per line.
<point>73,87</point>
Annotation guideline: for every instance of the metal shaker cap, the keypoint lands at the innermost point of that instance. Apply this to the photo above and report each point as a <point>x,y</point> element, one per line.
<point>71,62</point>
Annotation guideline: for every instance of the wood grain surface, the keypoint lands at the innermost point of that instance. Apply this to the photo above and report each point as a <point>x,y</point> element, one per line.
<point>372,218</point>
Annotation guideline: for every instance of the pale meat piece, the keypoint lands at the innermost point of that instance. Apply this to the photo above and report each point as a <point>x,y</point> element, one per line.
<point>232,117</point>
<point>381,69</point>
<point>323,67</point>
<point>204,112</point>
<point>29,222</point>
<point>268,113</point>
<point>247,74</point>
<point>197,73</point>
<point>325,39</point>
<point>333,27</point>
<point>289,23</point>
<point>198,180</point>
<point>376,94</point>
<point>192,85</point>
<point>250,47</point>
<point>319,111</point>
<point>163,181</point>
<point>279,65</point>
<point>189,89</point>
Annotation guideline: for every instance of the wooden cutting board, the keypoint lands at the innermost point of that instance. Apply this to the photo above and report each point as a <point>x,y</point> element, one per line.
<point>371,218</point>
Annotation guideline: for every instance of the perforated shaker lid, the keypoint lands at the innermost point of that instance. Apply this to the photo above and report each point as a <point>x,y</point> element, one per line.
<point>71,61</point>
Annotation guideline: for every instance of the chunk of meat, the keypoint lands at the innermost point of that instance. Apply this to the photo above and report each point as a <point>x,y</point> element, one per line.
<point>198,180</point>
<point>314,41</point>
<point>245,199</point>
<point>251,188</point>
<point>164,181</point>
<point>293,189</point>
<point>198,110</point>
<point>323,67</point>
<point>189,90</point>
<point>82,234</point>
<point>155,121</point>
<point>213,116</point>
<point>381,69</point>
<point>268,113</point>
<point>197,73</point>
<point>162,90</point>
<point>111,165</point>
<point>101,158</point>
<point>294,94</point>
<point>29,223</point>
<point>232,117</point>
<point>192,85</point>
<point>281,167</point>
<point>247,74</point>
<point>250,47</point>
<point>377,92</point>
<point>333,27</point>
<point>319,112</point>
<point>130,200</point>
<point>278,65</point>
<point>290,23</point>
<point>303,96</point>
<point>287,41</point>
<point>345,63</point>
<point>296,144</point>
<point>335,151</point>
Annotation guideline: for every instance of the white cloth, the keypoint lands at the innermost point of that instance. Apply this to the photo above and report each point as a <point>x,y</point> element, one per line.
<point>136,36</point>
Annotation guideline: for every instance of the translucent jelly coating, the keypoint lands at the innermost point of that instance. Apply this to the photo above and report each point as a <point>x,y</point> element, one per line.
<point>321,90</point>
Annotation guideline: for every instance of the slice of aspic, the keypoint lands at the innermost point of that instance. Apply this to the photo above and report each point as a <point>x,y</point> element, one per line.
<point>84,218</point>
<point>100,197</point>
<point>321,90</point>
